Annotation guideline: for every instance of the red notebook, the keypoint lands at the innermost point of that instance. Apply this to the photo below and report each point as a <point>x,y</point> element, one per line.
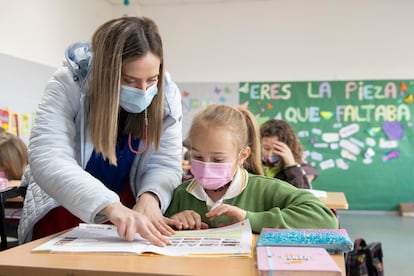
<point>297,261</point>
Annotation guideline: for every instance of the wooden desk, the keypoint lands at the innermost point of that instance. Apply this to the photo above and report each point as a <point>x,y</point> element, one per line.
<point>21,261</point>
<point>335,200</point>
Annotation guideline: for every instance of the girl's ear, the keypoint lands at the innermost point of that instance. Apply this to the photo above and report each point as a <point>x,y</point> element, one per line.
<point>244,154</point>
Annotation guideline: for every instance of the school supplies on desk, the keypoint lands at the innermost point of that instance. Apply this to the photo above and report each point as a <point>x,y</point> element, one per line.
<point>317,193</point>
<point>407,209</point>
<point>232,240</point>
<point>295,261</point>
<point>333,240</point>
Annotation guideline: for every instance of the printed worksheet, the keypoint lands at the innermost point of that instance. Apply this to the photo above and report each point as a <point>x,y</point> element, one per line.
<point>232,240</point>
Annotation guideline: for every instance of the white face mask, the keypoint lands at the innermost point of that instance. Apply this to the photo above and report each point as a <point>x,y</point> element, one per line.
<point>135,100</point>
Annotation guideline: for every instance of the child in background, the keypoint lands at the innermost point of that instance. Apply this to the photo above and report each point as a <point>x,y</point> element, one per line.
<point>229,185</point>
<point>282,155</point>
<point>13,158</point>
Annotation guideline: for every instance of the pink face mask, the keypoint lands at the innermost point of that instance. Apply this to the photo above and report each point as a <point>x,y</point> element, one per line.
<point>210,175</point>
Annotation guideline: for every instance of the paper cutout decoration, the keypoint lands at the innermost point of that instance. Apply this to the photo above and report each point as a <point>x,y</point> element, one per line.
<point>326,115</point>
<point>334,146</point>
<point>387,144</point>
<point>391,155</point>
<point>351,147</point>
<point>320,145</point>
<point>393,130</point>
<point>227,90</point>
<point>348,130</point>
<point>369,153</point>
<point>4,119</point>
<point>25,124</point>
<point>373,131</point>
<point>330,137</point>
<point>316,131</point>
<point>403,86</point>
<point>356,142</point>
<point>244,88</point>
<point>340,163</point>
<point>327,164</point>
<point>337,125</point>
<point>316,156</point>
<point>409,99</point>
<point>14,124</point>
<point>186,93</point>
<point>367,161</point>
<point>278,116</point>
<point>348,155</point>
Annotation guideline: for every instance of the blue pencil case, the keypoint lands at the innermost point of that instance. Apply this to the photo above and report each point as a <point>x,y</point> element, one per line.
<point>333,240</point>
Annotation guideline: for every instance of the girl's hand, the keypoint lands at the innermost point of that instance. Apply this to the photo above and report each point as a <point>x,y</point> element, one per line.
<point>235,213</point>
<point>189,220</point>
<point>130,222</point>
<point>283,151</point>
<point>148,205</point>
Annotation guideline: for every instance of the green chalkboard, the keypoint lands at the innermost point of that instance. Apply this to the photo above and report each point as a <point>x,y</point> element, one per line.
<point>359,134</point>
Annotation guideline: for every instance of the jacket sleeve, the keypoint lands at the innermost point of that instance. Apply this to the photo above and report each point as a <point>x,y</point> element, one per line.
<point>54,151</point>
<point>163,171</point>
<point>290,208</point>
<point>296,176</point>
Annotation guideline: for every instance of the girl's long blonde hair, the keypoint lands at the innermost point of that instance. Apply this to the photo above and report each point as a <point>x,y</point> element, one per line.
<point>114,43</point>
<point>239,121</point>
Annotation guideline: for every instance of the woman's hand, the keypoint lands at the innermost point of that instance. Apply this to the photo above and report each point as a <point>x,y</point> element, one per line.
<point>283,151</point>
<point>189,220</point>
<point>235,213</point>
<point>148,204</point>
<point>130,222</point>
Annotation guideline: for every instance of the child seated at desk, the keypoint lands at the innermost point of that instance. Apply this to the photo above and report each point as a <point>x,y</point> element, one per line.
<point>229,185</point>
<point>13,157</point>
<point>282,155</point>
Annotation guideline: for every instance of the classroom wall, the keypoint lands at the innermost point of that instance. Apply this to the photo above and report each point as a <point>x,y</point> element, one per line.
<point>287,40</point>
<point>236,41</point>
<point>39,31</point>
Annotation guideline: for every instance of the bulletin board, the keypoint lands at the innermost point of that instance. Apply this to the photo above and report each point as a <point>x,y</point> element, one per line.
<point>358,133</point>
<point>195,96</point>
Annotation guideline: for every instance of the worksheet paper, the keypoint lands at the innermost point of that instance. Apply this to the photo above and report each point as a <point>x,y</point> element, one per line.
<point>232,240</point>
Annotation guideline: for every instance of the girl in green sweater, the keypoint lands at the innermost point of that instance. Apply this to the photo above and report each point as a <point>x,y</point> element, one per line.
<point>229,185</point>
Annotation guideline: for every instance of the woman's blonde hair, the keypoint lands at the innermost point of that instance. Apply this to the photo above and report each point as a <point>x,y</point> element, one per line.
<point>238,121</point>
<point>13,156</point>
<point>114,43</point>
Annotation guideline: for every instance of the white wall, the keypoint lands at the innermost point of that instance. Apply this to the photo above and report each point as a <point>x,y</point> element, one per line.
<point>40,30</point>
<point>236,41</point>
<point>288,40</point>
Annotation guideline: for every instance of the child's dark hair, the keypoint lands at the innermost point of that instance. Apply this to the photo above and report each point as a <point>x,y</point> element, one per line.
<point>241,122</point>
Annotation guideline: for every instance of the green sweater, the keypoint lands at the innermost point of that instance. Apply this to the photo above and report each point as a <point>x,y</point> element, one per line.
<point>269,202</point>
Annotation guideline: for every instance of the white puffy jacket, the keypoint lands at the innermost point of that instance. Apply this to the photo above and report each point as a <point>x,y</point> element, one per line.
<point>60,147</point>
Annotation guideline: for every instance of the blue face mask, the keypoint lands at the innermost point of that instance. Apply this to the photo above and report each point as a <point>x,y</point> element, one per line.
<point>270,160</point>
<point>274,159</point>
<point>135,100</point>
